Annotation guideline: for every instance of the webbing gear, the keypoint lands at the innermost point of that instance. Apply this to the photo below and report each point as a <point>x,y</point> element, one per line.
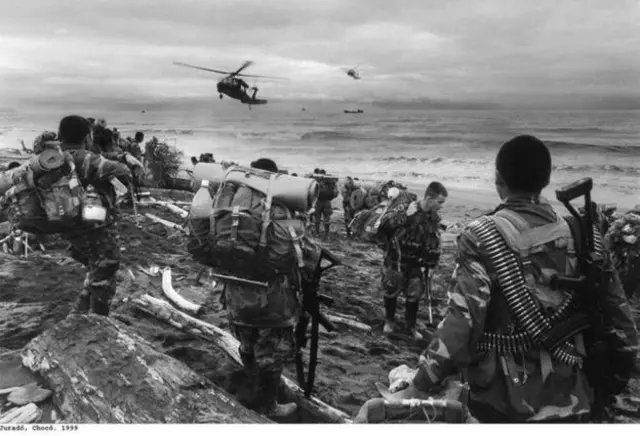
<point>512,283</point>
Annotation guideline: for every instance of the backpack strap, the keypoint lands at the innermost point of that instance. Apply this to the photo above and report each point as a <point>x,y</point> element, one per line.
<point>266,215</point>
<point>235,222</point>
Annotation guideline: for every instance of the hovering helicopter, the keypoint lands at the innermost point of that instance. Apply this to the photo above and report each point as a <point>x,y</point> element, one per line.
<point>353,72</point>
<point>234,87</point>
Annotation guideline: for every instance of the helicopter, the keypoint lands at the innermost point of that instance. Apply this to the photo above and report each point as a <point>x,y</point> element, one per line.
<point>233,86</point>
<point>353,72</point>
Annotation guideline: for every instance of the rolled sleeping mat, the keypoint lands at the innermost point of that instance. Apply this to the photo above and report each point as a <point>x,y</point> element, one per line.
<point>357,199</point>
<point>297,193</point>
<point>213,172</point>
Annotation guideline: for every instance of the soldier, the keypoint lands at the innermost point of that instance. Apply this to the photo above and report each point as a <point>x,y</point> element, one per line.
<point>265,344</point>
<point>95,246</point>
<point>328,190</point>
<point>512,379</point>
<point>412,245</point>
<point>347,189</point>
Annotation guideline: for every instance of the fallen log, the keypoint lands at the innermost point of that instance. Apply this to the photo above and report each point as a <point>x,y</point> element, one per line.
<point>175,298</point>
<point>230,345</point>
<point>164,222</point>
<point>21,415</point>
<point>349,322</point>
<point>101,371</point>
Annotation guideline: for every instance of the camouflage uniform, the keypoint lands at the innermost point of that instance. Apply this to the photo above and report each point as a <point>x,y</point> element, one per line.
<point>349,213</point>
<point>98,248</point>
<point>263,321</point>
<point>412,243</point>
<point>505,386</point>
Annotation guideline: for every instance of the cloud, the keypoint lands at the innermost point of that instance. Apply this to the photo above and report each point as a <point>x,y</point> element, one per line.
<point>506,50</point>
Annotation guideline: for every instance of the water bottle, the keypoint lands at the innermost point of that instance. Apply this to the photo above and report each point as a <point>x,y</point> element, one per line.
<point>202,204</point>
<point>199,222</point>
<point>92,210</point>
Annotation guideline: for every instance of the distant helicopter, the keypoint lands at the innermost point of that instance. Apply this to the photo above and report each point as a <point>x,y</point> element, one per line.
<point>234,87</point>
<point>353,72</point>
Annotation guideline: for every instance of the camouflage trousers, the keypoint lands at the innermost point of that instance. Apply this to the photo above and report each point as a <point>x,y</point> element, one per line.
<point>269,347</point>
<point>407,281</point>
<point>99,251</point>
<point>323,212</point>
<point>348,213</point>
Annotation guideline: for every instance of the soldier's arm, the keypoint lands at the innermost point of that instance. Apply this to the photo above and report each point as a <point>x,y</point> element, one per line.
<point>455,340</point>
<point>103,170</point>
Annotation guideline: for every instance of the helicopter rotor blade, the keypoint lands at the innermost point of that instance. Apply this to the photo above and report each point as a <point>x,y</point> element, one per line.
<point>202,68</point>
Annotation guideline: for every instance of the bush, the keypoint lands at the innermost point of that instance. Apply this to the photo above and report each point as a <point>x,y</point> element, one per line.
<point>166,158</point>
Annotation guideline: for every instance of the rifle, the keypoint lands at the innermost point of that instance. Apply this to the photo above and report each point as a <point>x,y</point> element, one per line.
<point>426,282</point>
<point>311,301</point>
<point>590,287</point>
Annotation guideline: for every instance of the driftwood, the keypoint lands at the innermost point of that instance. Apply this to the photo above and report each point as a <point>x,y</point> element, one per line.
<point>164,222</point>
<point>170,206</point>
<point>21,415</point>
<point>102,372</point>
<point>165,312</point>
<point>349,322</point>
<point>174,297</point>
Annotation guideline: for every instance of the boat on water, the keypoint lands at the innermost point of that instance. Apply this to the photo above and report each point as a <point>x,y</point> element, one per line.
<point>353,111</point>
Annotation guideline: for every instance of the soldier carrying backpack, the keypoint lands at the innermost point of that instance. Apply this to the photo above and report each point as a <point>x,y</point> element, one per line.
<point>328,190</point>
<point>66,190</point>
<point>257,247</point>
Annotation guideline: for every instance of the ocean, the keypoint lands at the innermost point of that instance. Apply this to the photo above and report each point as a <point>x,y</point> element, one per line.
<point>456,147</point>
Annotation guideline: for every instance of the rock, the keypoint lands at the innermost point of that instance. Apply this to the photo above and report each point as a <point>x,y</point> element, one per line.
<point>30,393</point>
<point>12,373</point>
<point>100,371</point>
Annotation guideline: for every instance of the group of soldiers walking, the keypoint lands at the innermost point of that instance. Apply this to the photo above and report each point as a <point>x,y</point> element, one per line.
<point>536,321</point>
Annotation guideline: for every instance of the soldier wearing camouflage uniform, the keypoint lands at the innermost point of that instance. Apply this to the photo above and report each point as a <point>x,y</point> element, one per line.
<point>412,246</point>
<point>509,382</point>
<point>98,248</point>
<point>266,335</point>
<point>347,189</point>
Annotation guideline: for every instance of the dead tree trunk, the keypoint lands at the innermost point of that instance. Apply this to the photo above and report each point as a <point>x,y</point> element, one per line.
<point>102,372</point>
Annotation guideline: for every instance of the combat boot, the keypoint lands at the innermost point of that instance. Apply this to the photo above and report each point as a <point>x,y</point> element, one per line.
<point>411,316</point>
<point>82,304</point>
<point>327,227</point>
<point>317,228</point>
<point>270,381</point>
<point>390,313</point>
<point>99,307</point>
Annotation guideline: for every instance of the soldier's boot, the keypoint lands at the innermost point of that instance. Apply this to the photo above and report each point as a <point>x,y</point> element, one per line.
<point>99,306</point>
<point>317,227</point>
<point>390,313</point>
<point>82,304</point>
<point>411,316</point>
<point>270,382</point>
<point>327,227</point>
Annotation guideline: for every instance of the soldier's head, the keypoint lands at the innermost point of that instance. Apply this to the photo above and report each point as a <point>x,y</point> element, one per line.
<point>75,130</point>
<point>265,164</point>
<point>139,136</point>
<point>434,196</point>
<point>523,167</point>
<point>194,160</point>
<point>348,182</point>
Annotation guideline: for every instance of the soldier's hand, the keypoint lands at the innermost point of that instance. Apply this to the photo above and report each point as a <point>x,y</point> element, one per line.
<point>401,378</point>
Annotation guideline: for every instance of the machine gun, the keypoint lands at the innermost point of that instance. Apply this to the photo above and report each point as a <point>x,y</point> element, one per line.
<point>590,288</point>
<point>311,301</point>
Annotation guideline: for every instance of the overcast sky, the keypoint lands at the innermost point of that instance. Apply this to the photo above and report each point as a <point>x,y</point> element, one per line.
<point>482,50</point>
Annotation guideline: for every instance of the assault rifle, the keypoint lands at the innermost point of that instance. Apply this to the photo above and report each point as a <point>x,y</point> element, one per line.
<point>311,301</point>
<point>426,282</point>
<point>590,288</point>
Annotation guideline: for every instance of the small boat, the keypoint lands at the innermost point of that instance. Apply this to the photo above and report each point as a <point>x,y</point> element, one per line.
<point>353,111</point>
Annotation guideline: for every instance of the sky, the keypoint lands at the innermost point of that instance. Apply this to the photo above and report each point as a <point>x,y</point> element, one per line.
<point>555,53</point>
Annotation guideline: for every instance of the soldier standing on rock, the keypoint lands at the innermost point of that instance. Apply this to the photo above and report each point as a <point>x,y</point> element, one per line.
<point>495,310</point>
<point>96,246</point>
<point>412,246</point>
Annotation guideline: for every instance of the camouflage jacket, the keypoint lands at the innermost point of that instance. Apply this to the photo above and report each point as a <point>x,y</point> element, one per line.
<point>537,389</point>
<point>412,240</point>
<point>93,169</point>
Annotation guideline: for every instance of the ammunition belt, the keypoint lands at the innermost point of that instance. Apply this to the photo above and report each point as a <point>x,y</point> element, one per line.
<point>521,303</point>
